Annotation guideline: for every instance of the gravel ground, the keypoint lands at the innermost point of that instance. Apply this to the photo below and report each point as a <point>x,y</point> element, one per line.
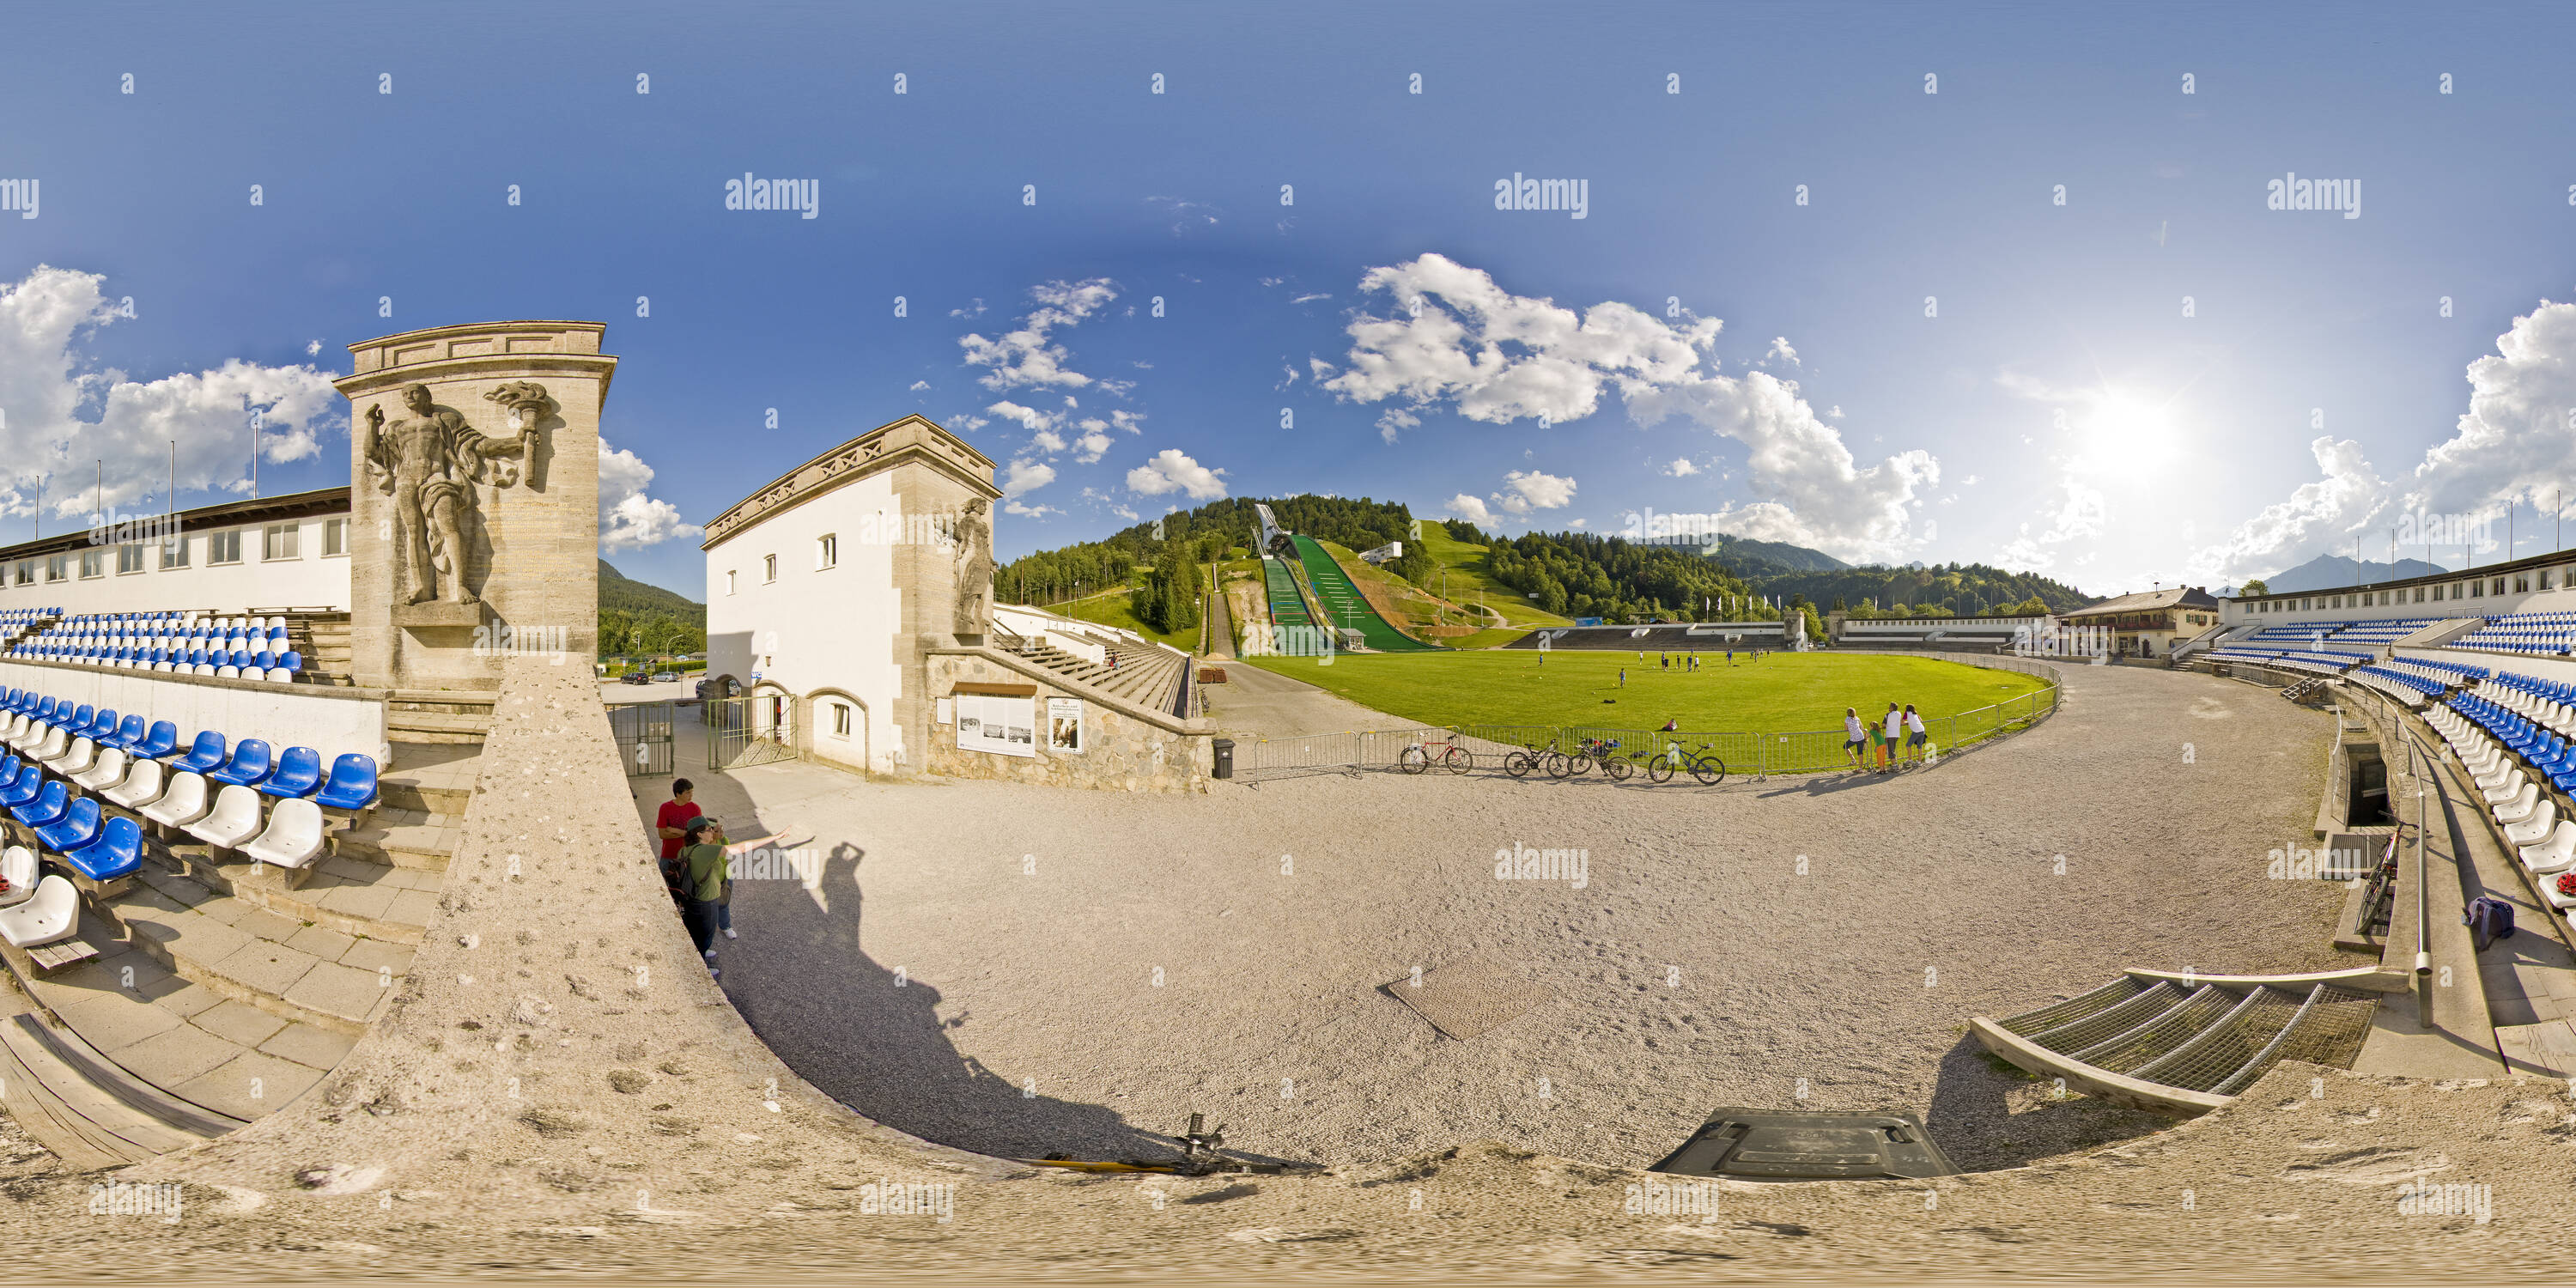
<point>1022,971</point>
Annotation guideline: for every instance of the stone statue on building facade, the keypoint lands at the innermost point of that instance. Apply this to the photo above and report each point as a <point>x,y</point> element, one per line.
<point>974,538</point>
<point>428,461</point>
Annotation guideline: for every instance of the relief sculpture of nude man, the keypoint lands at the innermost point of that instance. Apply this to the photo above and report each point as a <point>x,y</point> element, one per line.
<point>428,460</point>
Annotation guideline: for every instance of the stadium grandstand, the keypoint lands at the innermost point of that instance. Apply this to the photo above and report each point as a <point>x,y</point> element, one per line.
<point>1674,637</point>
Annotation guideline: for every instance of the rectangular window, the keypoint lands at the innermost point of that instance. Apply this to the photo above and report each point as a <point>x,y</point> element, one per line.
<point>769,567</point>
<point>728,581</point>
<point>129,559</point>
<point>2547,575</point>
<point>93,562</point>
<point>2473,590</point>
<point>277,541</point>
<point>827,550</point>
<point>223,547</point>
<point>2419,594</point>
<point>2521,585</point>
<point>2338,601</point>
<point>174,552</point>
<point>58,567</point>
<point>2499,586</point>
<point>841,719</point>
<point>335,537</point>
<point>26,572</point>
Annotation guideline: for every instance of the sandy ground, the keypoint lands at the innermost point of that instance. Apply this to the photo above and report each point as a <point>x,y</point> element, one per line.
<point>1020,971</point>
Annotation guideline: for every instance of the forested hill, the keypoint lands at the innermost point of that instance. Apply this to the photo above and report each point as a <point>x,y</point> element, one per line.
<point>1207,531</point>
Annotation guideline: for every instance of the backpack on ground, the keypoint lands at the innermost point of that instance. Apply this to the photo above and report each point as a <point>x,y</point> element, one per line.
<point>2488,919</point>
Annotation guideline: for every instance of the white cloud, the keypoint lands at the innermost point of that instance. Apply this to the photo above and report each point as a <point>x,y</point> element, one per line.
<point>1781,352</point>
<point>1024,476</point>
<point>1093,444</point>
<point>919,385</point>
<point>1272,281</point>
<point>976,310</point>
<point>1131,421</point>
<point>1557,363</point>
<point>1836,413</point>
<point>1970,481</point>
<point>45,389</point>
<point>967,422</point>
<point>1472,509</point>
<point>2511,445</point>
<point>1309,299</point>
<point>1171,471</point>
<point>1681,468</point>
<point>1026,510</point>
<point>313,348</point>
<point>628,519</point>
<point>1029,357</point>
<point>1524,491</point>
<point>1393,420</point>
<point>1496,357</point>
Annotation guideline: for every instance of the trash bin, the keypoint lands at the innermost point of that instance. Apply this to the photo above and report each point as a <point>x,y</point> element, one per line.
<point>1224,749</point>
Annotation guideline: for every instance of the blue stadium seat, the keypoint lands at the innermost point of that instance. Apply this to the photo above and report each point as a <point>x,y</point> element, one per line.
<point>352,785</point>
<point>117,851</point>
<point>128,735</point>
<point>77,827</point>
<point>249,767</point>
<point>101,727</point>
<point>163,740</point>
<point>205,756</point>
<point>299,773</point>
<point>48,805</point>
<point>30,783</point>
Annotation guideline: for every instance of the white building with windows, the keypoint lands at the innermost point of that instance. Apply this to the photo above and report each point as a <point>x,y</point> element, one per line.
<point>275,553</point>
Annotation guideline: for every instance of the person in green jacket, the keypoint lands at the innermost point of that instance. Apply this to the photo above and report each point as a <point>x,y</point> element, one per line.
<point>705,865</point>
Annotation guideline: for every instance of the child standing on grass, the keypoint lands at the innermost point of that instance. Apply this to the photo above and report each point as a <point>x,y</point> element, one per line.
<point>1915,737</point>
<point>1887,745</point>
<point>1852,736</point>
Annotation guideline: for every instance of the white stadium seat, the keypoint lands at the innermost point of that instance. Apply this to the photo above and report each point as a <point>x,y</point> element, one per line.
<point>293,837</point>
<point>108,772</point>
<point>18,865</point>
<point>2530,830</point>
<point>2521,807</point>
<point>2554,855</point>
<point>142,786</point>
<point>182,804</point>
<point>234,819</point>
<point>52,913</point>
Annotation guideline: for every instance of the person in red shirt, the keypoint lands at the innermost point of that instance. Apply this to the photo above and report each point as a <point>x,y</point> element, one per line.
<point>671,824</point>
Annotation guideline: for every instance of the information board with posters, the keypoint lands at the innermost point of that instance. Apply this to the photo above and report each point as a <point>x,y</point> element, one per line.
<point>1004,723</point>
<point>1064,726</point>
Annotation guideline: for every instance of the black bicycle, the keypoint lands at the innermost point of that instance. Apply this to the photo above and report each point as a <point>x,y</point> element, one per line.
<point>1702,763</point>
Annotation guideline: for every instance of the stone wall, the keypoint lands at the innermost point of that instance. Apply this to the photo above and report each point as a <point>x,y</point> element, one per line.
<point>1125,747</point>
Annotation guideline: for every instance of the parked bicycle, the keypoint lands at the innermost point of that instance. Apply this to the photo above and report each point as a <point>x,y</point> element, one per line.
<point>1702,763</point>
<point>1445,752</point>
<point>1519,763</point>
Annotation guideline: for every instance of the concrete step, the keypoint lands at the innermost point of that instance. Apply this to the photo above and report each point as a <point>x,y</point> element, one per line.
<point>295,971</point>
<point>134,1024</point>
<point>434,778</point>
<point>400,838</point>
<point>356,897</point>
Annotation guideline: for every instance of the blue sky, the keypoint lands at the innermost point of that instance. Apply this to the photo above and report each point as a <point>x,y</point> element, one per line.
<point>2059,413</point>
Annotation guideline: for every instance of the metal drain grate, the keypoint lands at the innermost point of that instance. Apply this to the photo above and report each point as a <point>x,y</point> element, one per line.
<point>1470,997</point>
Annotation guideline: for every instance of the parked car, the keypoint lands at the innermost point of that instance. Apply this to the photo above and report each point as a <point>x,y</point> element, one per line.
<point>667,677</point>
<point>638,677</point>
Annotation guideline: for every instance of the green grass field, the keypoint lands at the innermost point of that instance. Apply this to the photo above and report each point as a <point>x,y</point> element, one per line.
<point>1782,693</point>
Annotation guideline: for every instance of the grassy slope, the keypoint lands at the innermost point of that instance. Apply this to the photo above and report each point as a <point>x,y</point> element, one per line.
<point>1110,609</point>
<point>1467,575</point>
<point>1785,692</point>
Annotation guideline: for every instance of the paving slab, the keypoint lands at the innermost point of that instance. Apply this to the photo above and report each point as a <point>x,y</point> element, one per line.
<point>310,1045</point>
<point>270,968</point>
<point>249,1085</point>
<point>172,1056</point>
<point>324,943</point>
<point>333,989</point>
<point>239,1023</point>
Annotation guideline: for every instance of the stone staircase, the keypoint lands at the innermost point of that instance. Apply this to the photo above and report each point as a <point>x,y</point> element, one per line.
<point>222,989</point>
<point>2183,1044</point>
<point>323,639</point>
<point>437,716</point>
<point>1147,677</point>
